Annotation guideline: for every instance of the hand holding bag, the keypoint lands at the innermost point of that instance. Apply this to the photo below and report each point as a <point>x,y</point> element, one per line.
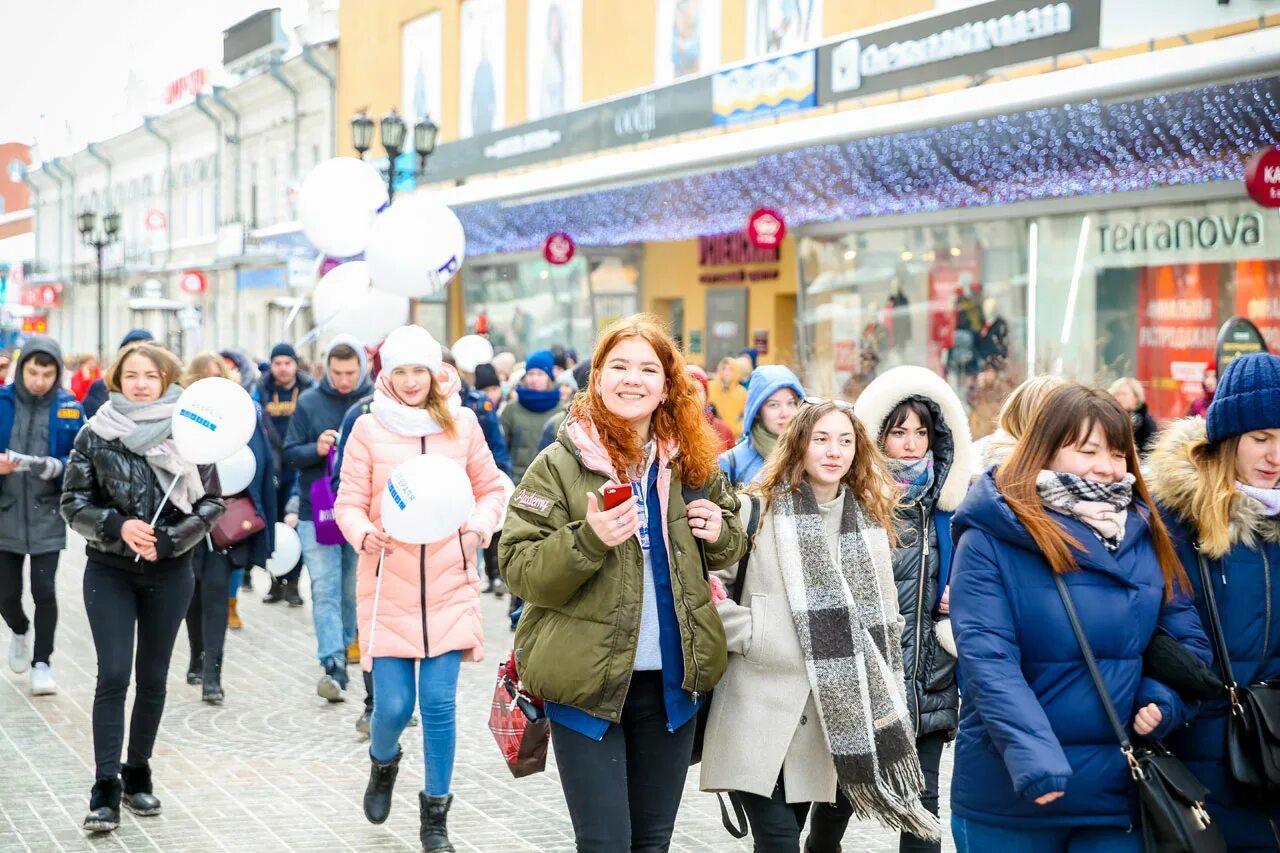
<point>1171,798</point>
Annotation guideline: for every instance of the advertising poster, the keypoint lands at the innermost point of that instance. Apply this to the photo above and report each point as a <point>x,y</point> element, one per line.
<point>554,72</point>
<point>778,26</point>
<point>1258,298</point>
<point>482,101</point>
<point>420,69</point>
<point>688,38</point>
<point>1177,334</point>
<point>770,87</point>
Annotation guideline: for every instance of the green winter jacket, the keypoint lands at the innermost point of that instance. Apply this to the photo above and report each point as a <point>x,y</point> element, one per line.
<point>576,641</point>
<point>522,428</point>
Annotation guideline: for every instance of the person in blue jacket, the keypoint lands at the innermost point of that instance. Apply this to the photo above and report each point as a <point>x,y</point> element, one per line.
<point>1217,483</point>
<point>774,395</point>
<point>38,425</point>
<point>1038,766</point>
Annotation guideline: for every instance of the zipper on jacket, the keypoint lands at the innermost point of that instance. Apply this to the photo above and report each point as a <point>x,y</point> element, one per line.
<point>924,577</point>
<point>422,578</point>
<point>1266,623</point>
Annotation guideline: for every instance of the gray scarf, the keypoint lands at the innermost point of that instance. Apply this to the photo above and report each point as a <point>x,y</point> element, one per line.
<point>847,621</point>
<point>1103,507</point>
<point>146,429</point>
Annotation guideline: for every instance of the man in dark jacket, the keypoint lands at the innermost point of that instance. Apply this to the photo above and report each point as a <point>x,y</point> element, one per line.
<point>278,392</point>
<point>97,393</point>
<point>38,425</point>
<point>313,432</point>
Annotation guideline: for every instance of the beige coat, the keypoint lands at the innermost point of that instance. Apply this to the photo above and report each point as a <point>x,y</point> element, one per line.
<point>763,718</point>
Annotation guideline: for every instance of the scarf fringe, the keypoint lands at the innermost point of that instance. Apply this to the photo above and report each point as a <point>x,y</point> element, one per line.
<point>896,806</point>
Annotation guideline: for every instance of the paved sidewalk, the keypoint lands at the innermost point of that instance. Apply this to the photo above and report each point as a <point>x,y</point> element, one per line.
<point>276,768</point>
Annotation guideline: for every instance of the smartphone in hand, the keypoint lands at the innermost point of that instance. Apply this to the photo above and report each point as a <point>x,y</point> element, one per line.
<point>616,495</point>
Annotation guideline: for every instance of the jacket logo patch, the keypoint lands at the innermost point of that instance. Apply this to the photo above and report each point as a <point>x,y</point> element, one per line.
<point>526,499</point>
<point>69,414</point>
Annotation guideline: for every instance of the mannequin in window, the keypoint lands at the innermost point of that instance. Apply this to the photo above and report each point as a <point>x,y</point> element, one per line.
<point>993,338</point>
<point>897,318</point>
<point>962,358</point>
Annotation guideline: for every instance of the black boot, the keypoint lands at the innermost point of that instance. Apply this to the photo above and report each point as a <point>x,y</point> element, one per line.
<point>194,668</point>
<point>212,691</point>
<point>291,594</point>
<point>275,595</point>
<point>104,806</point>
<point>382,780</point>
<point>136,780</point>
<point>434,812</point>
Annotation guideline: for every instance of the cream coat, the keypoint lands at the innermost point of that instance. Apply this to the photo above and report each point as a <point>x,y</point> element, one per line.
<point>763,718</point>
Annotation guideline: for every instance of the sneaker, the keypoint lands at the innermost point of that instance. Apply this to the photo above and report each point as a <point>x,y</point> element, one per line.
<point>330,687</point>
<point>42,683</point>
<point>19,653</point>
<point>362,724</point>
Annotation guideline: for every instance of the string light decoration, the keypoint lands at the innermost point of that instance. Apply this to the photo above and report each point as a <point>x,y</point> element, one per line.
<point>1078,149</point>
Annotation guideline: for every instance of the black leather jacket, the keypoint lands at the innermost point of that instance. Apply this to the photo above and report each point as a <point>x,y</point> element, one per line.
<point>107,484</point>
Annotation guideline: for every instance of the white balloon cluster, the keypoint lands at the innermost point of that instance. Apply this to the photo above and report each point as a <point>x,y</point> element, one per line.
<point>411,248</point>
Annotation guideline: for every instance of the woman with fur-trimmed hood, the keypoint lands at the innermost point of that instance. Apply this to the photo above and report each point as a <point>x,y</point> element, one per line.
<point>1217,483</point>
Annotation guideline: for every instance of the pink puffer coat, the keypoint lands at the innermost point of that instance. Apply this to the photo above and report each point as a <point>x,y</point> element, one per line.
<point>438,577</point>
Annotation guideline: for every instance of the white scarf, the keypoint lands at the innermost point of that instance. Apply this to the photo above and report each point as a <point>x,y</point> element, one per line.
<point>1269,498</point>
<point>407,420</point>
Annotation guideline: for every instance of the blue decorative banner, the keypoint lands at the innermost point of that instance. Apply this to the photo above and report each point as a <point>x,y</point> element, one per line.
<point>772,87</point>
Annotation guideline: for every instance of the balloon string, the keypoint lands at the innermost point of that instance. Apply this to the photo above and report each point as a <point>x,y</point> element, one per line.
<point>159,508</point>
<point>377,593</point>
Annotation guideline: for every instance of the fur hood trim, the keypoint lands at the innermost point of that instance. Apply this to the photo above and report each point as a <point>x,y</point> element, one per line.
<point>1172,478</point>
<point>892,387</point>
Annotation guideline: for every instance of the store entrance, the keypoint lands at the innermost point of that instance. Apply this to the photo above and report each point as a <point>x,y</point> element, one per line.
<point>726,323</point>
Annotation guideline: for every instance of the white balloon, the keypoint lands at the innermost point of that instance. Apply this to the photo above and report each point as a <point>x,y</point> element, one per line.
<point>373,317</point>
<point>338,203</point>
<point>508,489</point>
<point>288,550</point>
<point>415,247</point>
<point>342,287</point>
<point>212,419</point>
<point>470,351</point>
<point>426,499</point>
<point>235,473</point>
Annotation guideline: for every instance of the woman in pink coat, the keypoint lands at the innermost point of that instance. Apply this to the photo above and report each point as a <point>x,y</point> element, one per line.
<point>428,609</point>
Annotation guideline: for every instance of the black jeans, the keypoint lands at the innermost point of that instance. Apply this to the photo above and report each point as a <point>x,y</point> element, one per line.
<point>491,558</point>
<point>831,819</point>
<point>118,601</point>
<point>207,613</point>
<point>623,792</point>
<point>43,590</point>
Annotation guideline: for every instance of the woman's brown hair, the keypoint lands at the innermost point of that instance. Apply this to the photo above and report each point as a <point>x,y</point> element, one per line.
<point>165,362</point>
<point>1066,419</point>
<point>679,419</point>
<point>198,368</point>
<point>868,478</point>
<point>1215,494</point>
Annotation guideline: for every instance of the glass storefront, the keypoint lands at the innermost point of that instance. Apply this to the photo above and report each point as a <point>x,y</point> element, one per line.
<point>528,304</point>
<point>1127,292</point>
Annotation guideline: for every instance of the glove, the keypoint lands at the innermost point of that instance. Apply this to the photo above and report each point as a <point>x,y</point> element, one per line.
<point>44,467</point>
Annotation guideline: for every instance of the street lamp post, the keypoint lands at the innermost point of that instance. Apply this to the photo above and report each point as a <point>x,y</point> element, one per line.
<point>87,223</point>
<point>393,130</point>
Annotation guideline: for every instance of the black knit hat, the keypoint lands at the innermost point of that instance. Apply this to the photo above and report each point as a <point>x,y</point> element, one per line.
<point>486,377</point>
<point>284,349</point>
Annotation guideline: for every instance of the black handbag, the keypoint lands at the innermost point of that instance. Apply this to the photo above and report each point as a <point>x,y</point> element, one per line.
<point>1253,728</point>
<point>1171,798</point>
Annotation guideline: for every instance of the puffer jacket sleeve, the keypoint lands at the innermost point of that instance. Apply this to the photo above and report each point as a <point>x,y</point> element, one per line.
<point>191,527</point>
<point>732,544</point>
<point>83,505</point>
<point>1181,621</point>
<point>355,494</point>
<point>991,666</point>
<point>486,485</point>
<point>546,556</point>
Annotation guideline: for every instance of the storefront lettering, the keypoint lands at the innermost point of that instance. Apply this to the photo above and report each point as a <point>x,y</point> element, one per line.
<point>720,250</point>
<point>1166,235</point>
<point>1183,309</point>
<point>737,276</point>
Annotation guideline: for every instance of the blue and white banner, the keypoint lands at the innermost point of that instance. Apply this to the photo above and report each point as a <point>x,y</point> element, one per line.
<point>772,87</point>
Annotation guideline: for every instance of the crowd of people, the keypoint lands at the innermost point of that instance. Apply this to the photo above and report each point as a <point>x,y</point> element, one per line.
<point>814,598</point>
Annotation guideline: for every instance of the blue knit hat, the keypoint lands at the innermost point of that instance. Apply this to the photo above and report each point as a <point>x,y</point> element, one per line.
<point>1247,399</point>
<point>541,360</point>
<point>133,336</point>
<point>284,349</point>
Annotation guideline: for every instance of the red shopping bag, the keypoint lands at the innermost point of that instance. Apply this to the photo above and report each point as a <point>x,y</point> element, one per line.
<point>519,723</point>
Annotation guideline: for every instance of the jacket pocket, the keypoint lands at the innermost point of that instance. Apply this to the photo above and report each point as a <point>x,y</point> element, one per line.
<point>759,618</point>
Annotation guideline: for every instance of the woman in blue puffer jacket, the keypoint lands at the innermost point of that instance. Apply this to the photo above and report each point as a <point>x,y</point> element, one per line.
<point>1037,766</point>
<point>1217,483</point>
<point>774,395</point>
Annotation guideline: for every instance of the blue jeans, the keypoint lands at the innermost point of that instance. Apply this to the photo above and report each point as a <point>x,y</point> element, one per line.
<point>393,697</point>
<point>333,595</point>
<point>973,837</point>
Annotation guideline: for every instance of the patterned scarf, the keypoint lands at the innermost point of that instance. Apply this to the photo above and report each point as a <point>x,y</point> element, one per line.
<point>915,477</point>
<point>846,618</point>
<point>1104,507</point>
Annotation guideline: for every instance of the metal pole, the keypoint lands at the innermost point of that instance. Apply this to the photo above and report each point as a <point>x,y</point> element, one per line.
<point>309,57</point>
<point>102,302</point>
<point>392,154</point>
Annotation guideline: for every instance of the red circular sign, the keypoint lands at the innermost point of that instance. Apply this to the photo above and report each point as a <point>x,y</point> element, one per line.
<point>766,228</point>
<point>193,282</point>
<point>1262,177</point>
<point>558,248</point>
<point>156,220</point>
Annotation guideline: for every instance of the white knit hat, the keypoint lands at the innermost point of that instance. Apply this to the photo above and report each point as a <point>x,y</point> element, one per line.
<point>410,345</point>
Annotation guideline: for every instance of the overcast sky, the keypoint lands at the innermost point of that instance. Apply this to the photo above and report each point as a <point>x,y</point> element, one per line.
<point>66,65</point>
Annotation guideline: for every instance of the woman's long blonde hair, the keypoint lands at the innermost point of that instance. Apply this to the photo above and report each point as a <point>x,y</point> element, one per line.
<point>1215,493</point>
<point>198,368</point>
<point>1021,405</point>
<point>868,478</point>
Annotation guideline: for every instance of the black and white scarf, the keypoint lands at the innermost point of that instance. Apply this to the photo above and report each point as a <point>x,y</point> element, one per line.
<point>1103,507</point>
<point>847,621</point>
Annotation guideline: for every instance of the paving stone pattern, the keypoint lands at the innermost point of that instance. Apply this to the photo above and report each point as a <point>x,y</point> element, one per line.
<point>276,768</point>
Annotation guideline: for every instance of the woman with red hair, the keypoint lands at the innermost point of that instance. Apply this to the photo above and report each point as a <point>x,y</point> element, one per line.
<point>619,633</point>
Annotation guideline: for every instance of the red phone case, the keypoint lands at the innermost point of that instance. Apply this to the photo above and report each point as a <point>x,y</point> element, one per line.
<point>615,495</point>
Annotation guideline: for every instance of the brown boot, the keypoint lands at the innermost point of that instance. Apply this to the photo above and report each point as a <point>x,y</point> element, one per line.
<point>233,615</point>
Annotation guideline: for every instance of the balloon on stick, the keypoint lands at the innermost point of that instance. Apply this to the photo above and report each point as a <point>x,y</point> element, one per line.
<point>338,204</point>
<point>427,498</point>
<point>288,550</point>
<point>415,247</point>
<point>470,351</point>
<point>212,419</point>
<point>235,473</point>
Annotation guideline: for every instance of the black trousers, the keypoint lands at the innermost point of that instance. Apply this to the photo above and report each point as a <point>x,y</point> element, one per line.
<point>829,815</point>
<point>623,792</point>
<point>207,613</point>
<point>120,602</point>
<point>776,824</point>
<point>491,557</point>
<point>43,590</point>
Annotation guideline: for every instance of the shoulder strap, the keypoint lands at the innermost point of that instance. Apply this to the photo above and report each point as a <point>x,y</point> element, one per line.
<point>1215,620</point>
<point>733,469</point>
<point>1101,686</point>
<point>753,524</point>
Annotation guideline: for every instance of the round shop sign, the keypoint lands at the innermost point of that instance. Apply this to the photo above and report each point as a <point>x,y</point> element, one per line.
<point>766,228</point>
<point>156,220</point>
<point>558,248</point>
<point>193,282</point>
<point>1262,177</point>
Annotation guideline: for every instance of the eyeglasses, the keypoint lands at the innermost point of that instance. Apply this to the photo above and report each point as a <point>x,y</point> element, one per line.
<point>818,401</point>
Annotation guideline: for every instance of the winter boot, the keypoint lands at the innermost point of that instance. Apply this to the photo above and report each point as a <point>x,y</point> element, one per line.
<point>434,812</point>
<point>382,780</point>
<point>195,668</point>
<point>212,677</point>
<point>291,594</point>
<point>233,614</point>
<point>275,595</point>
<point>104,806</point>
<point>136,779</point>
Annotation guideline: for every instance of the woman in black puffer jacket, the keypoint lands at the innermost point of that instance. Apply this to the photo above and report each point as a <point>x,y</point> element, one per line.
<point>137,576</point>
